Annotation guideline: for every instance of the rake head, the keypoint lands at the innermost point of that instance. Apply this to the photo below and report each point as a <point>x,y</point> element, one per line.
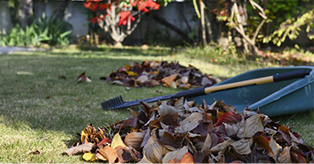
<point>112,103</point>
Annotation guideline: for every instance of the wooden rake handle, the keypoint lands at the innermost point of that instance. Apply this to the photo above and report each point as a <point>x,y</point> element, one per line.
<point>257,81</point>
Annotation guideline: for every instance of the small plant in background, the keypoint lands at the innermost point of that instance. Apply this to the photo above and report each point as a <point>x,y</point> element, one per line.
<point>43,30</point>
<point>291,29</point>
<point>120,17</point>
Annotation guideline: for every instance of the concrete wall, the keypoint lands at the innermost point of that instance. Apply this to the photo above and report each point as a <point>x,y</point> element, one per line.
<point>174,13</point>
<point>76,15</point>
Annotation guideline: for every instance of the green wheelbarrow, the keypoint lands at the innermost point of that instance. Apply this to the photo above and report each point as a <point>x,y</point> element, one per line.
<point>273,99</point>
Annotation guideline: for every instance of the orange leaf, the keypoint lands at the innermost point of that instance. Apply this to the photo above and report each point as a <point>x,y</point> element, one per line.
<point>263,142</point>
<point>187,158</point>
<point>284,129</point>
<point>109,153</point>
<point>168,80</point>
<point>219,114</point>
<point>174,160</point>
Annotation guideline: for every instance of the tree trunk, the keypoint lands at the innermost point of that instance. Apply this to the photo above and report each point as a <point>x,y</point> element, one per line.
<point>60,10</point>
<point>26,13</point>
<point>202,6</point>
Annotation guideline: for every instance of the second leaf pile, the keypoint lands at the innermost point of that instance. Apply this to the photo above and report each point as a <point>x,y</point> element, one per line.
<point>153,73</point>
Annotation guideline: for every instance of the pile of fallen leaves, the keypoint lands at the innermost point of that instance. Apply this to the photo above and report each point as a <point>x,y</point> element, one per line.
<point>184,132</point>
<point>153,73</point>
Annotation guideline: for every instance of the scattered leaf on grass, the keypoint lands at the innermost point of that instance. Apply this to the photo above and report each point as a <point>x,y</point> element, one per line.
<point>83,78</point>
<point>36,152</point>
<point>62,77</point>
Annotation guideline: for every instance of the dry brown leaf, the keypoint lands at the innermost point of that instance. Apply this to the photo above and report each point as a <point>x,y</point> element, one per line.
<point>100,157</point>
<point>123,154</point>
<point>134,139</point>
<point>284,156</point>
<point>108,153</point>
<point>179,105</point>
<point>297,157</point>
<point>171,141</point>
<point>293,138</point>
<point>252,125</point>
<point>141,79</point>
<point>177,154</point>
<point>153,151</point>
<point>242,146</point>
<point>233,129</point>
<point>168,114</point>
<point>221,146</point>
<point>275,147</point>
<point>151,83</point>
<point>189,123</point>
<point>168,80</point>
<point>117,141</point>
<point>208,143</point>
<point>83,78</point>
<point>184,86</point>
<point>144,159</point>
<point>83,148</point>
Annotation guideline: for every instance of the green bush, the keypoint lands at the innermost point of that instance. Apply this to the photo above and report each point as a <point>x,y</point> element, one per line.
<point>43,30</point>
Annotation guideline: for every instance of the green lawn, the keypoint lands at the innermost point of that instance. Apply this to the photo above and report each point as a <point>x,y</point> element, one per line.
<point>40,111</point>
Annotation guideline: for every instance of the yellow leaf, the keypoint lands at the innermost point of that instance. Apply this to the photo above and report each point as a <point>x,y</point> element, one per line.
<point>127,67</point>
<point>131,73</point>
<point>117,141</point>
<point>84,135</point>
<point>89,157</point>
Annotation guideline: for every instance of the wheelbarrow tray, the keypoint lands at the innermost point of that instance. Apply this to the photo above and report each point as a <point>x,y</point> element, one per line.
<point>273,99</point>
